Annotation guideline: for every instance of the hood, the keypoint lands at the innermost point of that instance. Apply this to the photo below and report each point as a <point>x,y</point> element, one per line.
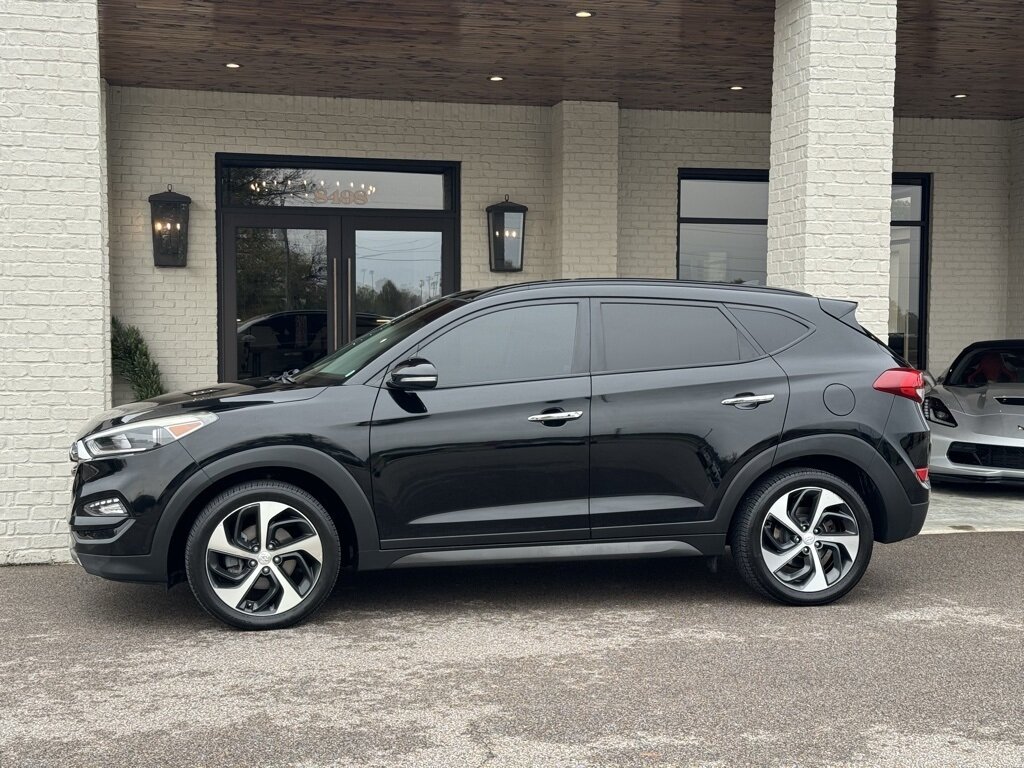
<point>995,409</point>
<point>215,398</point>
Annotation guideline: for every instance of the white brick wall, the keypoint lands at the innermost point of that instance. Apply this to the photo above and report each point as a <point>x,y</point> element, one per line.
<point>1015,283</point>
<point>831,150</point>
<point>160,137</point>
<point>653,146</point>
<point>54,369</point>
<point>585,184</point>
<point>970,164</point>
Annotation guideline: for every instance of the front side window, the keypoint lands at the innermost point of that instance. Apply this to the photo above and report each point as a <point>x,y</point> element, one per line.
<point>517,344</point>
<point>640,337</point>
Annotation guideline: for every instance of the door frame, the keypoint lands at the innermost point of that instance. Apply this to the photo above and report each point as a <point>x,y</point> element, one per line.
<point>446,220</point>
<point>351,224</point>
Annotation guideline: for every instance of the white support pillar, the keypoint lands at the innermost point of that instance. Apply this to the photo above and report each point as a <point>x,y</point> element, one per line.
<point>1015,266</point>
<point>831,151</point>
<point>585,171</point>
<point>54,338</point>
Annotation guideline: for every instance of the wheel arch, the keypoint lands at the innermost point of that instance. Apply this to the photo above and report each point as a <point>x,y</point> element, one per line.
<point>850,458</point>
<point>312,470</point>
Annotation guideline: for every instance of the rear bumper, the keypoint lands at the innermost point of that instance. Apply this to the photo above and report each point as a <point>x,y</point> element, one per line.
<point>906,523</point>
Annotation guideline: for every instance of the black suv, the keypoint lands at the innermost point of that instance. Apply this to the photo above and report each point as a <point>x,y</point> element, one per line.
<point>548,421</point>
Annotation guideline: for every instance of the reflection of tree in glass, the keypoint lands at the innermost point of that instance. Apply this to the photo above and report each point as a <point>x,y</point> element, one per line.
<point>280,269</point>
<point>389,301</point>
<point>267,186</point>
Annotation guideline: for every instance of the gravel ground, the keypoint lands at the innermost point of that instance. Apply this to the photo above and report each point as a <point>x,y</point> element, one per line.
<point>644,663</point>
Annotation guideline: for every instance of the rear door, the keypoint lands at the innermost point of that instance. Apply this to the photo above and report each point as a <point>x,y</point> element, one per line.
<point>681,399</point>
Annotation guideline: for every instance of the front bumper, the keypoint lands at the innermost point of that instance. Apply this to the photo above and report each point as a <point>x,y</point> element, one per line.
<point>121,548</point>
<point>941,468</point>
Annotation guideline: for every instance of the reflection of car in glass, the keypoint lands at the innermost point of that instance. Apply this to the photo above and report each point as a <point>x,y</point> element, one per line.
<point>550,421</point>
<point>976,412</point>
<point>282,341</point>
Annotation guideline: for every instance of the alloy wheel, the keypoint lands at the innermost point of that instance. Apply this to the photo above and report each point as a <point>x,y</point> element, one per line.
<point>810,539</point>
<point>264,558</point>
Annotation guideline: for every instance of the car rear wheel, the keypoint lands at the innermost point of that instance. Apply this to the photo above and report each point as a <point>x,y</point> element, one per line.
<point>802,537</point>
<point>263,555</point>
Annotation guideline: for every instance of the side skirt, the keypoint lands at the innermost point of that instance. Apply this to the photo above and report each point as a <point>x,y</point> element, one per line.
<point>587,550</point>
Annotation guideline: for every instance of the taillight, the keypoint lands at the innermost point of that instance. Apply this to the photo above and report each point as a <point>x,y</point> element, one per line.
<point>922,475</point>
<point>903,382</point>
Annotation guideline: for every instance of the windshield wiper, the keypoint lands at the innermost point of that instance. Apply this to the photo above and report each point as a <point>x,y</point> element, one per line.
<point>288,377</point>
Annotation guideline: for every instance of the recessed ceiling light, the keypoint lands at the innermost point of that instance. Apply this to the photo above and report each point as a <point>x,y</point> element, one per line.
<point>959,95</point>
<point>232,65</point>
<point>496,78</point>
<point>584,14</point>
<point>735,87</point>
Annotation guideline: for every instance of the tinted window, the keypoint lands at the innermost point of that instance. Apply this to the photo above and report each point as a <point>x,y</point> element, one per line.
<point>770,329</point>
<point>646,336</point>
<point>527,342</point>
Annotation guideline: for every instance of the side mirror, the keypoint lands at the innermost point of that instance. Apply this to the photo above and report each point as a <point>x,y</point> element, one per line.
<point>416,373</point>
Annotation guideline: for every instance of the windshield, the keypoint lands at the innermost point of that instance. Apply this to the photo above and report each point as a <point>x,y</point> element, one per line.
<point>357,354</point>
<point>997,364</point>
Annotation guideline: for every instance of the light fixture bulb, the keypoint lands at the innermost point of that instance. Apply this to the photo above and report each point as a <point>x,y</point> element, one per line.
<point>232,65</point>
<point>584,14</point>
<point>959,95</point>
<point>496,78</point>
<point>735,87</point>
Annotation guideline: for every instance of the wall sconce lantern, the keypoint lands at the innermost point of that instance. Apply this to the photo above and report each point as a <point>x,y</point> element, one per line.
<point>169,212</point>
<point>506,230</point>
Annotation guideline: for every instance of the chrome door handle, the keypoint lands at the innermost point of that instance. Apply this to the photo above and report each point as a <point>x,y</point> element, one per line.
<point>557,416</point>
<point>748,400</point>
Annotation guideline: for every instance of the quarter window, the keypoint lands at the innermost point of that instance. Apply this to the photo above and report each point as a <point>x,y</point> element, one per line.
<point>641,337</point>
<point>769,329</point>
<point>516,344</point>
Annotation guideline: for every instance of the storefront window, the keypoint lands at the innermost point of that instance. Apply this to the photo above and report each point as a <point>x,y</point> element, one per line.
<point>723,226</point>
<point>723,237</point>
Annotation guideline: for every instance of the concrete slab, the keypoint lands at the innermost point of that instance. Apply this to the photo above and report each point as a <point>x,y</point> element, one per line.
<point>975,508</point>
<point>641,663</point>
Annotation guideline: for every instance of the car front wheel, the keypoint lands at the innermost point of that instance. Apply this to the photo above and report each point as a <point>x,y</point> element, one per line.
<point>263,555</point>
<point>802,537</point>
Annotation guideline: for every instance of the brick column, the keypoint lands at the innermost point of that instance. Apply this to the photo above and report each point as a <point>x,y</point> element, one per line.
<point>831,151</point>
<point>54,359</point>
<point>585,182</point>
<point>1015,267</point>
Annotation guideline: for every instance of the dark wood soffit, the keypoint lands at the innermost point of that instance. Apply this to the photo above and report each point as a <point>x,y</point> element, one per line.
<point>653,54</point>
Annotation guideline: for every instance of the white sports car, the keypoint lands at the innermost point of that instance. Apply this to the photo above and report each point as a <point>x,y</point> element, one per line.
<point>976,414</point>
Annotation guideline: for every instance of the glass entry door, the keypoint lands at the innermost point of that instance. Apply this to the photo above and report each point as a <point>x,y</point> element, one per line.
<point>295,287</point>
<point>395,264</point>
<point>278,293</point>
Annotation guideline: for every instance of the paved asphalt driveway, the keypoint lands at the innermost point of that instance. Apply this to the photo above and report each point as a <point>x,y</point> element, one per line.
<point>645,663</point>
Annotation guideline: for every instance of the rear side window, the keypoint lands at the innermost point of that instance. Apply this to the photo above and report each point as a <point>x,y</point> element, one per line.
<point>641,337</point>
<point>771,330</point>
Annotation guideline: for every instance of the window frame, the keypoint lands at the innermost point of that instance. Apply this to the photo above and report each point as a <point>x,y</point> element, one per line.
<point>924,225</point>
<point>337,220</point>
<point>599,361</point>
<point>581,350</point>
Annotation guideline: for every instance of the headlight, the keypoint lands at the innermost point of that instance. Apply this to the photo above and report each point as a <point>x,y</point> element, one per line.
<point>140,436</point>
<point>936,411</point>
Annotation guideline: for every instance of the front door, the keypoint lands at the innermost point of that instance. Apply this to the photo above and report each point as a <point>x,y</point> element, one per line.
<point>484,458</point>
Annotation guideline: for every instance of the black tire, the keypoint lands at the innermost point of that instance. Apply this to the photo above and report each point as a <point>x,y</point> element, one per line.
<point>748,527</point>
<point>242,496</point>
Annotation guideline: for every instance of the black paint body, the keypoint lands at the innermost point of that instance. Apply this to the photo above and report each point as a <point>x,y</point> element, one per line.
<point>655,455</point>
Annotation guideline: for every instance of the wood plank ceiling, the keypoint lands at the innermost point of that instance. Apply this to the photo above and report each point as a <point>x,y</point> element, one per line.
<point>654,54</point>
